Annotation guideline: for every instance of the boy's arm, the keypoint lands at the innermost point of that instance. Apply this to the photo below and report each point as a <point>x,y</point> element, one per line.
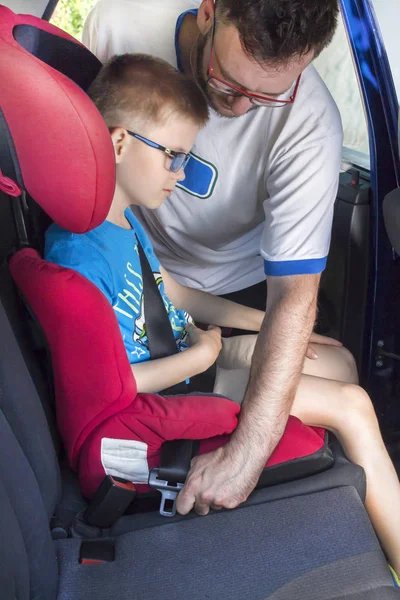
<point>155,375</point>
<point>206,308</point>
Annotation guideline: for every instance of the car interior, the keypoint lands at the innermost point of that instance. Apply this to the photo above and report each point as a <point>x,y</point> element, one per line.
<point>304,532</point>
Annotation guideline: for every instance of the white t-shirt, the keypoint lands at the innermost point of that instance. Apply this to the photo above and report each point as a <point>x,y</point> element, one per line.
<point>259,191</point>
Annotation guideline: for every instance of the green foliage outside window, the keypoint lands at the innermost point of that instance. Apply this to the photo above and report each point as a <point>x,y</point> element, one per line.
<point>70,15</point>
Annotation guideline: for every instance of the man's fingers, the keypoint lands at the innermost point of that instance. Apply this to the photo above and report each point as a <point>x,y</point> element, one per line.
<point>185,502</point>
<point>310,353</point>
<point>323,339</point>
<point>201,508</point>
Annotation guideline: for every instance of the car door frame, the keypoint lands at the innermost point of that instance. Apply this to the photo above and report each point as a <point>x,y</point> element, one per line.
<point>381,106</point>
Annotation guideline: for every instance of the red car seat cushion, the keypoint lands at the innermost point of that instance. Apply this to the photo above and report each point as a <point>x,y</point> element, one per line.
<point>96,396</point>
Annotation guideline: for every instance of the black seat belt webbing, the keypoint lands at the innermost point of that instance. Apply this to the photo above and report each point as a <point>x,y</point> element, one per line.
<point>160,336</point>
<point>176,454</point>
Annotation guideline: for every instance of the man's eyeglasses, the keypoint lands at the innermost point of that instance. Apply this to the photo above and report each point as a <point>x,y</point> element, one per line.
<point>179,159</point>
<point>223,87</point>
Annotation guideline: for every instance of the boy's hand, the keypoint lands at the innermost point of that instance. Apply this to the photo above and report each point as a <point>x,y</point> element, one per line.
<point>209,341</point>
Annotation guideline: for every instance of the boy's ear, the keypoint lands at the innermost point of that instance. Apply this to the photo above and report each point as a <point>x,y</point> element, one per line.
<point>120,140</point>
<point>205,16</point>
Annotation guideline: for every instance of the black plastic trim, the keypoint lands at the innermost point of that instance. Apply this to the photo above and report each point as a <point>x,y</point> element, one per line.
<point>319,461</point>
<point>48,11</point>
<point>66,56</point>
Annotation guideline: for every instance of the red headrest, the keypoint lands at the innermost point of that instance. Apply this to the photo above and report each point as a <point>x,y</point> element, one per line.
<point>61,142</point>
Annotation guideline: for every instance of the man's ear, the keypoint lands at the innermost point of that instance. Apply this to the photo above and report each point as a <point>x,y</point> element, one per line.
<point>120,140</point>
<point>205,16</point>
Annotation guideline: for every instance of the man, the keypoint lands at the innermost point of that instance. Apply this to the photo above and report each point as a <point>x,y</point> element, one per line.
<point>257,200</point>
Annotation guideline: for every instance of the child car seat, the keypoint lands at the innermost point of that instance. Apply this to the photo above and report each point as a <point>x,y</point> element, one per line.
<point>58,155</point>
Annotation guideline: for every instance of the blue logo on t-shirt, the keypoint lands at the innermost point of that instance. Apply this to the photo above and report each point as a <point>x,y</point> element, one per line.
<point>200,177</point>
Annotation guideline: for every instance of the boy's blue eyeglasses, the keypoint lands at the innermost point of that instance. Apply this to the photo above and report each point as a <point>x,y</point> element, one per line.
<point>179,159</point>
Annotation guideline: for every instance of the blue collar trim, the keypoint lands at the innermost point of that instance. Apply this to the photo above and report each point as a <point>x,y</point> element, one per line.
<point>191,11</point>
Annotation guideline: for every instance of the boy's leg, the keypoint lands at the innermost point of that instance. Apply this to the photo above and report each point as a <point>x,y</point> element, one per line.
<point>237,352</point>
<point>231,383</point>
<point>233,366</point>
<point>332,363</point>
<point>347,411</point>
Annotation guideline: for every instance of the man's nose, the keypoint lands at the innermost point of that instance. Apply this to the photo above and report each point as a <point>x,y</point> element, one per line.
<point>241,105</point>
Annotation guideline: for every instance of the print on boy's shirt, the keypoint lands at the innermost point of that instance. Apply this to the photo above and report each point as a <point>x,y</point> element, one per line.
<point>130,306</point>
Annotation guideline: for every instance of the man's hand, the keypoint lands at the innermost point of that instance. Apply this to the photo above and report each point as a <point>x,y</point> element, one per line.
<point>223,478</point>
<point>319,339</point>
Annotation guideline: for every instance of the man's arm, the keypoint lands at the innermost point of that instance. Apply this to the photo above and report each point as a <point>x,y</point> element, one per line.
<point>277,361</point>
<point>226,477</point>
<point>209,309</point>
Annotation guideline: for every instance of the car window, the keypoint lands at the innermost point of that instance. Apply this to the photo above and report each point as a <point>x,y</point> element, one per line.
<point>70,15</point>
<point>388,18</point>
<point>336,67</point>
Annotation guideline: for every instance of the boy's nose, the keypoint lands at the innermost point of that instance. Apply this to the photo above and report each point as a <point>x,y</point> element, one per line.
<point>180,175</point>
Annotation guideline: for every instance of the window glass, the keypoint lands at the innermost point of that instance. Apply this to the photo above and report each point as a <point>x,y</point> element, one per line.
<point>70,15</point>
<point>336,67</point>
<point>388,18</point>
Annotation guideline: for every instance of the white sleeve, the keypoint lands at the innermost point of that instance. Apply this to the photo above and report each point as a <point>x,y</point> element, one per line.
<point>302,188</point>
<point>106,31</point>
<point>122,26</point>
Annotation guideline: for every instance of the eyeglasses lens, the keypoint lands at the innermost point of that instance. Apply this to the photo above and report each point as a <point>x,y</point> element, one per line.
<point>179,162</point>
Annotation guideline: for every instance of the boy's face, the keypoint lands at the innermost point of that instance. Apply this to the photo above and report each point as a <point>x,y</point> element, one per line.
<point>143,174</point>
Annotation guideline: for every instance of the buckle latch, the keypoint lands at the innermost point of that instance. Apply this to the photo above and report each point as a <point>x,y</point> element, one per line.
<point>169,493</point>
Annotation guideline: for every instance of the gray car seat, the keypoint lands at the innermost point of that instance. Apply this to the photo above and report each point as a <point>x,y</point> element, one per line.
<point>315,546</point>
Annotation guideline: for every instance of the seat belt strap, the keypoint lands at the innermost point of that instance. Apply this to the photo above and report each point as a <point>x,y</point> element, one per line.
<point>160,337</point>
<point>176,457</point>
<point>176,454</point>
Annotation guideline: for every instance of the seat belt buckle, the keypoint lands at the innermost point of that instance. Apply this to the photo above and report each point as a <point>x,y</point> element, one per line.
<point>110,502</point>
<point>97,552</point>
<point>169,493</point>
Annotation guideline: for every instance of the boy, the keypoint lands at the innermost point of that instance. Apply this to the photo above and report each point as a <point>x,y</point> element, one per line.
<point>154,113</point>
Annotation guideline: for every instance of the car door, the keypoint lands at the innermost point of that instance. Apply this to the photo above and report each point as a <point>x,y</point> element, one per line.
<point>371,24</point>
<point>358,300</point>
<point>385,339</point>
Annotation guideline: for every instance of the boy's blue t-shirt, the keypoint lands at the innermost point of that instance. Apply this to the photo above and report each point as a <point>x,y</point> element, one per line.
<point>108,256</point>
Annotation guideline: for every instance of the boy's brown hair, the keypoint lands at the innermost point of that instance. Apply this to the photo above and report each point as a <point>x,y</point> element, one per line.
<point>144,88</point>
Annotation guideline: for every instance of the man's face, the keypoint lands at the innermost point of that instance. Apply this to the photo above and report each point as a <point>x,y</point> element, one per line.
<point>233,65</point>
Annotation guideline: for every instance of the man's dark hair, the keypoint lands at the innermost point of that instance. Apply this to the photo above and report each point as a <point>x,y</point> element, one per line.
<point>145,88</point>
<point>277,31</point>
